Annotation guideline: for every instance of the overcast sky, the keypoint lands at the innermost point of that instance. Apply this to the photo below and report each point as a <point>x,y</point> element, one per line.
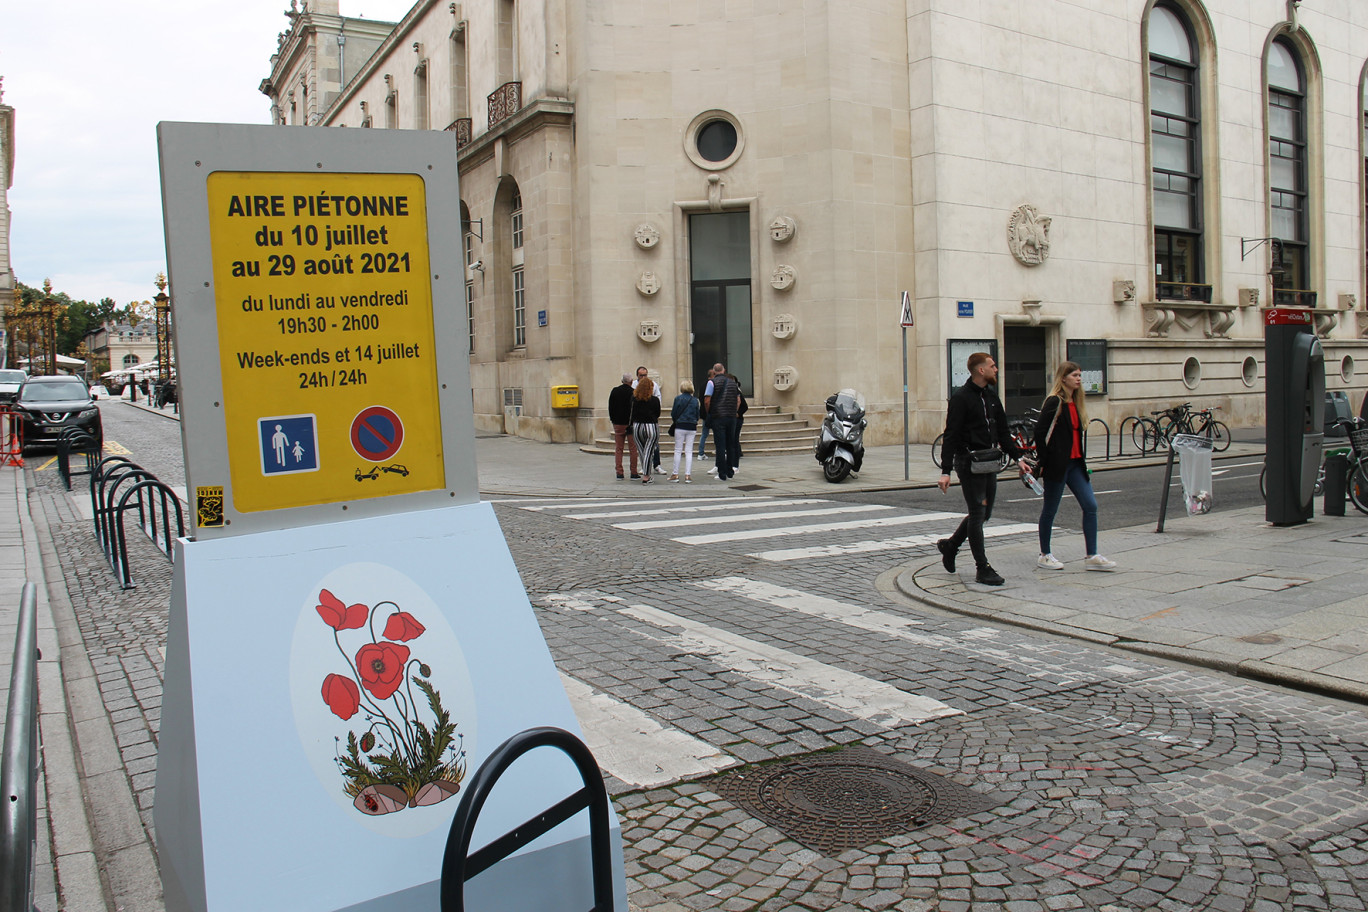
<point>89,80</point>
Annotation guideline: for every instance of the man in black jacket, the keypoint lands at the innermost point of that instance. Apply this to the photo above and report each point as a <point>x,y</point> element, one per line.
<point>974,421</point>
<point>620,414</point>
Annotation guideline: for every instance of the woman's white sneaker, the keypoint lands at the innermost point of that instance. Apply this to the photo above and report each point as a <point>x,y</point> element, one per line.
<point>1098,562</point>
<point>1050,562</point>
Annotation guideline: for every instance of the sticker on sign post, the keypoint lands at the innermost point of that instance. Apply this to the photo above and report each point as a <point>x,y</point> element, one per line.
<point>289,444</point>
<point>377,433</point>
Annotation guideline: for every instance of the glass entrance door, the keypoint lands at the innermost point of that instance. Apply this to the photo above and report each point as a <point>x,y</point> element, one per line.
<point>720,295</point>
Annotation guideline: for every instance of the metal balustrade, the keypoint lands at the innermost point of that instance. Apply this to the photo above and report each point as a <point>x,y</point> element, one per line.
<point>19,764</point>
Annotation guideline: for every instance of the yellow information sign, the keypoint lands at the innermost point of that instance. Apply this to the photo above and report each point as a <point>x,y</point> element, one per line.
<point>326,347</point>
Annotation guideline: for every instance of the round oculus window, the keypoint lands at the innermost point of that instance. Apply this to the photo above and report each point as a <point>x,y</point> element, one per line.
<point>716,140</point>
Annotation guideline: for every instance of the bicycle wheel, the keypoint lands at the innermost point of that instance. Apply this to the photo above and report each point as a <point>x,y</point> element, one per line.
<point>1263,484</point>
<point>1220,436</point>
<point>936,448</point>
<point>1358,486</point>
<point>1140,435</point>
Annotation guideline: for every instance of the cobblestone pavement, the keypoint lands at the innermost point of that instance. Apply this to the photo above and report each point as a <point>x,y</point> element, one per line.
<point>1124,784</point>
<point>1104,781</point>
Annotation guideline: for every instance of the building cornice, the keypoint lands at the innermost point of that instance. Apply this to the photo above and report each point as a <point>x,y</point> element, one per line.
<point>535,115</point>
<point>368,69</point>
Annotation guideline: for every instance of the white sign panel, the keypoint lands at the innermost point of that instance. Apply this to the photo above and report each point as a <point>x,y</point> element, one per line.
<point>335,701</point>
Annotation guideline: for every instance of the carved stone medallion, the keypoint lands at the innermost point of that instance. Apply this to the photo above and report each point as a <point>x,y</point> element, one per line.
<point>648,283</point>
<point>646,235</point>
<point>784,326</point>
<point>782,228</point>
<point>1028,236</point>
<point>649,331</point>
<point>783,277</point>
<point>785,378</point>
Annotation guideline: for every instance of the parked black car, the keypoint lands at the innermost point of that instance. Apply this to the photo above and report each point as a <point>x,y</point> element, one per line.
<point>48,405</point>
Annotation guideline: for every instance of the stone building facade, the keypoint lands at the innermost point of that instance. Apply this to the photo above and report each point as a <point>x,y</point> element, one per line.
<point>1128,183</point>
<point>7,281</point>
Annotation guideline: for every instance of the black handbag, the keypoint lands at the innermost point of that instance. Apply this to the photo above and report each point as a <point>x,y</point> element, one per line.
<point>985,462</point>
<point>671,429</point>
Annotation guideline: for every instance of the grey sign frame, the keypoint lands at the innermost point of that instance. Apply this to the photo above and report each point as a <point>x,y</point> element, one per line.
<point>189,153</point>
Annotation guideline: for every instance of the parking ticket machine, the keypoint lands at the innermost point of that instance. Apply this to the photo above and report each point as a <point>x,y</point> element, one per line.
<point>1294,390</point>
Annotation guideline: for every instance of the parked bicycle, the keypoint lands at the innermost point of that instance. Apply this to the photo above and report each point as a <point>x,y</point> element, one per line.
<point>1022,431</point>
<point>1357,454</point>
<point>1158,432</point>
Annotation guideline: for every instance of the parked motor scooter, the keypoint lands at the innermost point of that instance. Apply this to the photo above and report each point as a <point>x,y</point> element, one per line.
<point>840,445</point>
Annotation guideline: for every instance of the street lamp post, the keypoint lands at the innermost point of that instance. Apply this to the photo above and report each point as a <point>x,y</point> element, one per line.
<point>163,305</point>
<point>49,329</point>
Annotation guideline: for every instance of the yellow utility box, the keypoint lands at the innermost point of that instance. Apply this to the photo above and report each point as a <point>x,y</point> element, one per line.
<point>565,397</point>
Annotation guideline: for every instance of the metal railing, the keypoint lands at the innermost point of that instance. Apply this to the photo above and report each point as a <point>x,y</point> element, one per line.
<point>19,763</point>
<point>1182,291</point>
<point>504,102</point>
<point>463,127</point>
<point>458,865</point>
<point>156,504</point>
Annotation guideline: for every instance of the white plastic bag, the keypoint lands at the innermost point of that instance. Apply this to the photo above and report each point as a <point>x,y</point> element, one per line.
<point>1194,467</point>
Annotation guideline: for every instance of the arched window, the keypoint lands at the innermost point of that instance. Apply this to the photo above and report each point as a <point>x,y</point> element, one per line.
<point>1287,183</point>
<point>519,298</point>
<point>130,360</point>
<point>1176,155</point>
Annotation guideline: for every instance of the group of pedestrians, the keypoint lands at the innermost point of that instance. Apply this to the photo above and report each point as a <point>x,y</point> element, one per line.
<point>634,409</point>
<point>976,436</point>
<point>976,425</point>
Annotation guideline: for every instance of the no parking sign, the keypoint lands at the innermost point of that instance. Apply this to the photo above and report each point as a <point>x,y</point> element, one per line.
<point>377,433</point>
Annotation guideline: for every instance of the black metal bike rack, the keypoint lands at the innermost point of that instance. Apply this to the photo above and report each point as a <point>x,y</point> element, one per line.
<point>75,440</point>
<point>156,504</point>
<point>460,865</point>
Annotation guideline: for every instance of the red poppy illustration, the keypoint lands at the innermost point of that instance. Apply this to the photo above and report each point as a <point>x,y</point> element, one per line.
<point>409,752</point>
<point>381,667</point>
<point>338,615</point>
<point>341,695</point>
<point>403,626</point>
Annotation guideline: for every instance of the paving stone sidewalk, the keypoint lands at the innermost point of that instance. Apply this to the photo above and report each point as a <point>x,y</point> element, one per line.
<point>1225,590</point>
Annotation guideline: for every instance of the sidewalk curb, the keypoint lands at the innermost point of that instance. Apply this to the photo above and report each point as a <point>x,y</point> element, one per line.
<point>1254,669</point>
<point>75,866</point>
<point>124,864</point>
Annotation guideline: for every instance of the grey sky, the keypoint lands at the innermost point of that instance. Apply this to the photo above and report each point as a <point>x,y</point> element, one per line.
<point>89,82</point>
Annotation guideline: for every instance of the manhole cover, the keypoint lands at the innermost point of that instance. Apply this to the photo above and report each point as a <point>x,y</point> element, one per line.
<point>750,487</point>
<point>847,799</point>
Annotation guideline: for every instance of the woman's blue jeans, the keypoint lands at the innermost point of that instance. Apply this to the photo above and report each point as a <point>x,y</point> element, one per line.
<point>1076,478</point>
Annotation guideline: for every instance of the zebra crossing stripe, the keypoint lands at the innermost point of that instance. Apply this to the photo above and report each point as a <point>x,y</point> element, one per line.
<point>886,544</point>
<point>744,517</point>
<point>975,643</point>
<point>562,504</point>
<point>727,504</point>
<point>872,523</point>
<point>855,694</point>
<point>635,747</point>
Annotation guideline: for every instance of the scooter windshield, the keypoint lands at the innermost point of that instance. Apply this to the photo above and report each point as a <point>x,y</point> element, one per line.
<point>849,405</point>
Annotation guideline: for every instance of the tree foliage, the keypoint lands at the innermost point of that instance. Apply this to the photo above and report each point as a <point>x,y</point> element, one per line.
<point>76,318</point>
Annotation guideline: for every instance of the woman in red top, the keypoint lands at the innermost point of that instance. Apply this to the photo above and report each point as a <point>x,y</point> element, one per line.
<point>1059,441</point>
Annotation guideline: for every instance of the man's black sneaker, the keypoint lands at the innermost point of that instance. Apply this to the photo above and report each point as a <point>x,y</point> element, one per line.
<point>947,555</point>
<point>989,577</point>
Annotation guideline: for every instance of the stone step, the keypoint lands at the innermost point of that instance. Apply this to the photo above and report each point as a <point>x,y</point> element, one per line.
<point>766,431</point>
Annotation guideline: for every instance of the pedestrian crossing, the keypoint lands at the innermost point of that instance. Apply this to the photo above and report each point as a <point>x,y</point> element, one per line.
<point>810,527</point>
<point>643,751</point>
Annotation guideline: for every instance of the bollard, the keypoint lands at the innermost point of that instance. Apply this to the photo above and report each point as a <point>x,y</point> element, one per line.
<point>1335,485</point>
